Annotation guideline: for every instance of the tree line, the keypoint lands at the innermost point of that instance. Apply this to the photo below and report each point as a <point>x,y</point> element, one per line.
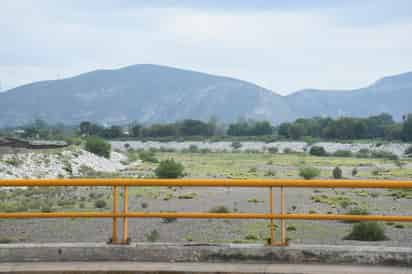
<point>380,126</point>
<point>348,128</point>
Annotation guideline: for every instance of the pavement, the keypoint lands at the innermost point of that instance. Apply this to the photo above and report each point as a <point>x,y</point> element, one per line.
<point>192,268</point>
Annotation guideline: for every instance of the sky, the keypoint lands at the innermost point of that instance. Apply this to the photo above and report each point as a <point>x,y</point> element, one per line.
<point>284,46</point>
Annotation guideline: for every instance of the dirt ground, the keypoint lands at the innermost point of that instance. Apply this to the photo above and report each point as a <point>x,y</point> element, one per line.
<point>220,165</point>
<point>211,231</point>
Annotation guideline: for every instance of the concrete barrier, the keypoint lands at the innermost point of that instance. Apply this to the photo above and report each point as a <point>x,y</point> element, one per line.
<point>191,268</point>
<point>206,253</point>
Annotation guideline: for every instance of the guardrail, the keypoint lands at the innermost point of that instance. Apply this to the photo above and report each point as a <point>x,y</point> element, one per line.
<point>124,214</point>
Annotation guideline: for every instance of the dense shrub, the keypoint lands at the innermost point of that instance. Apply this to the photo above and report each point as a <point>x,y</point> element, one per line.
<point>169,169</point>
<point>309,172</point>
<point>363,153</point>
<point>100,204</point>
<point>152,236</point>
<point>219,209</point>
<point>367,231</point>
<point>236,145</point>
<point>193,149</point>
<point>384,155</point>
<point>5,240</point>
<point>317,151</point>
<point>98,146</point>
<point>337,173</point>
<point>408,151</point>
<point>273,150</point>
<point>354,171</point>
<point>343,153</point>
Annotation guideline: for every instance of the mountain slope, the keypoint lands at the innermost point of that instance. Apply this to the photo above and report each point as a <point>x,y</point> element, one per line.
<point>151,93</point>
<point>146,93</point>
<point>390,94</point>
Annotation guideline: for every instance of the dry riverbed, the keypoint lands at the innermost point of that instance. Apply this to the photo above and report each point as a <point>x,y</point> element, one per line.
<point>208,164</point>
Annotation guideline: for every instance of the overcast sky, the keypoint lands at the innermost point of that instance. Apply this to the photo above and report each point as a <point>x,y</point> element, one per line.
<point>281,45</point>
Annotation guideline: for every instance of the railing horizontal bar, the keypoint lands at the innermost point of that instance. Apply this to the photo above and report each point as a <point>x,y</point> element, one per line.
<point>204,215</point>
<point>209,183</point>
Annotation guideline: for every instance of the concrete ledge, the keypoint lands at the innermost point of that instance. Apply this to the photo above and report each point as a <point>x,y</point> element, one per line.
<point>196,253</point>
<point>191,268</point>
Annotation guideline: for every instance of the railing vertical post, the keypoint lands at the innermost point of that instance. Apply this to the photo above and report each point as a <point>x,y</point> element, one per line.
<point>282,221</point>
<point>114,228</point>
<point>125,219</point>
<point>272,225</point>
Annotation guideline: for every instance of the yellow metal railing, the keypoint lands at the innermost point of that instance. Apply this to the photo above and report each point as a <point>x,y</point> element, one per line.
<point>124,214</point>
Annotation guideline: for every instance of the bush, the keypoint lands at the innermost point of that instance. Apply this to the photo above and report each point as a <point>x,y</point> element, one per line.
<point>152,236</point>
<point>384,155</point>
<point>251,237</point>
<point>98,146</point>
<point>363,153</point>
<point>309,172</point>
<point>193,149</point>
<point>291,228</point>
<point>367,231</point>
<point>187,196</point>
<point>408,151</point>
<point>169,169</point>
<point>254,200</point>
<point>317,151</point>
<point>273,150</point>
<point>236,145</point>
<point>337,173</point>
<point>148,156</point>
<point>100,204</point>
<point>356,211</point>
<point>354,171</point>
<point>343,153</point>
<point>219,209</point>
<point>6,240</point>
<point>14,161</point>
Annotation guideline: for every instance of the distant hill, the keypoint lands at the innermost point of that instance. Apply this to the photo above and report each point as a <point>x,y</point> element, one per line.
<point>152,93</point>
<point>390,94</point>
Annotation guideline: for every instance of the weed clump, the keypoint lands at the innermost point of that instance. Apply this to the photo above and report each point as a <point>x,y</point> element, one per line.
<point>337,173</point>
<point>219,209</point>
<point>309,172</point>
<point>367,231</point>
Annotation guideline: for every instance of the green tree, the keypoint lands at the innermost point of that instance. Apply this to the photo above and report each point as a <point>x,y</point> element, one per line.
<point>169,169</point>
<point>296,131</point>
<point>407,129</point>
<point>113,132</point>
<point>98,146</point>
<point>283,130</point>
<point>135,130</point>
<point>191,127</point>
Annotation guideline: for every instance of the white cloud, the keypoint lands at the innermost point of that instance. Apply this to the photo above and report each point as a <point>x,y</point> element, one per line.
<point>281,50</point>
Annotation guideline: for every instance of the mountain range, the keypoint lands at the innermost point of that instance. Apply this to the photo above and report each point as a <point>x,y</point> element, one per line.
<point>153,93</point>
